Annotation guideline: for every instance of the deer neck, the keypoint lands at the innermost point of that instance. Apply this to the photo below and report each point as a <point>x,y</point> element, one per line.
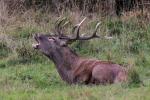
<point>64,59</point>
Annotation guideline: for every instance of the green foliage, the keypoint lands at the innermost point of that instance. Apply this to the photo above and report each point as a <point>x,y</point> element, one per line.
<point>2,65</point>
<point>26,54</point>
<point>115,27</point>
<point>24,33</point>
<point>134,78</point>
<point>4,50</point>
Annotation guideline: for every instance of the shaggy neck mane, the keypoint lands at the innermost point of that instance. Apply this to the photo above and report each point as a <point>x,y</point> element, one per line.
<point>64,60</point>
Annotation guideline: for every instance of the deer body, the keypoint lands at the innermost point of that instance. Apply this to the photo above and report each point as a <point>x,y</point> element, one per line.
<point>74,69</point>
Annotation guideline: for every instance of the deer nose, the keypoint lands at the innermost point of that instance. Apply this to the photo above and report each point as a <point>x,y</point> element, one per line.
<point>35,46</point>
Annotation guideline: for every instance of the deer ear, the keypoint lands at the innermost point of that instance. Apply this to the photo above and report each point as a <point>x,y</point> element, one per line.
<point>63,43</point>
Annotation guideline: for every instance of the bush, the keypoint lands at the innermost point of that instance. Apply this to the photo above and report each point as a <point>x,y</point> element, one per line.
<point>26,54</point>
<point>115,27</point>
<point>24,32</point>
<point>2,64</point>
<point>134,78</point>
<point>4,50</point>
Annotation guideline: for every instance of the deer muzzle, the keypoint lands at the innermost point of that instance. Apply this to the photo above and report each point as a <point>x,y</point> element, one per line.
<point>36,45</point>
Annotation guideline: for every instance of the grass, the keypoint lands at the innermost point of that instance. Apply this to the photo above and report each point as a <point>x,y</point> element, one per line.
<point>25,74</point>
<point>41,81</point>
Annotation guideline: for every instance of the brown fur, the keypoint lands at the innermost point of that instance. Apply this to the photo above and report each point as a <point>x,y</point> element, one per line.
<point>98,72</point>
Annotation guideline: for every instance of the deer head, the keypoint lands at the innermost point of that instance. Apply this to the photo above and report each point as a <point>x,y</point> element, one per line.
<point>48,44</point>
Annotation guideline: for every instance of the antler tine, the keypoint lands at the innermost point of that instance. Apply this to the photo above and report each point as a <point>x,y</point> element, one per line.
<point>96,28</point>
<point>71,39</point>
<point>67,22</point>
<point>58,26</point>
<point>81,22</point>
<point>78,26</point>
<point>78,29</point>
<point>94,35</point>
<point>61,21</point>
<point>78,37</point>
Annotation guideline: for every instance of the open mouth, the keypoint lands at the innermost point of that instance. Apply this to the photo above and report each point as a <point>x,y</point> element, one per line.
<point>36,45</point>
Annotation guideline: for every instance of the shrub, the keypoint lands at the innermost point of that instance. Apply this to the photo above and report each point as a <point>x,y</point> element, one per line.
<point>24,32</point>
<point>4,50</point>
<point>26,54</point>
<point>115,27</point>
<point>134,78</point>
<point>2,64</point>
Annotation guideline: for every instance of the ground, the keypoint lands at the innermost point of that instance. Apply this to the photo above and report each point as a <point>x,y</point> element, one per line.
<point>41,81</point>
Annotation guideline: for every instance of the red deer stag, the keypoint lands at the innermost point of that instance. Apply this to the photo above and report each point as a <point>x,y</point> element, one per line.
<point>71,67</point>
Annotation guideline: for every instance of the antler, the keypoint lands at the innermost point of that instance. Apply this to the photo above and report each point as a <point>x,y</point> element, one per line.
<point>94,35</point>
<point>78,37</point>
<point>76,28</point>
<point>58,26</point>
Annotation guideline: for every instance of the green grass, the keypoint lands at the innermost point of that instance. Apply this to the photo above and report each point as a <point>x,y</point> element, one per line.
<point>41,81</point>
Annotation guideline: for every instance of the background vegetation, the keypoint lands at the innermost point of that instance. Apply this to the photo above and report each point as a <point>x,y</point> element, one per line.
<point>25,74</point>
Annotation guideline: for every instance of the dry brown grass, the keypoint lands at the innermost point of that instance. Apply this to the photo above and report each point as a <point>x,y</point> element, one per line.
<point>136,14</point>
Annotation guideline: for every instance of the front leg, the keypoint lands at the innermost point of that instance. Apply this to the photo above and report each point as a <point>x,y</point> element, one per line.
<point>82,79</point>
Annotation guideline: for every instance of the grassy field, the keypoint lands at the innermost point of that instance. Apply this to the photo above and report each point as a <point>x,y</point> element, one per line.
<point>41,81</point>
<point>25,74</point>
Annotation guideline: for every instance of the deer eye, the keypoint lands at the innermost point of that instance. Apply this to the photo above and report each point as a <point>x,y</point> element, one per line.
<point>51,39</point>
